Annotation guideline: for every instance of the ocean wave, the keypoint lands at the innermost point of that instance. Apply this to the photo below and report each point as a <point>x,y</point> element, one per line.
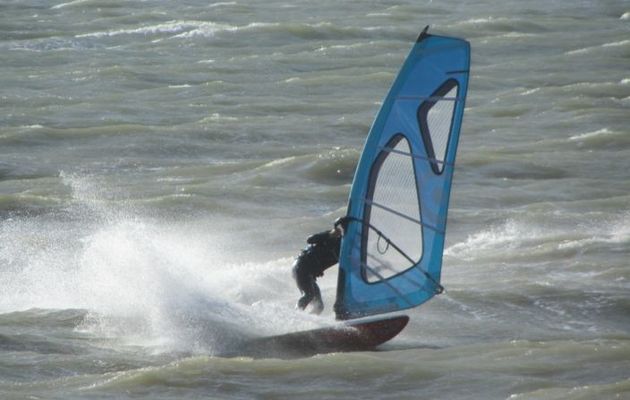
<point>171,27</point>
<point>188,29</point>
<point>590,49</point>
<point>614,390</point>
<point>320,30</point>
<point>37,317</point>
<point>336,166</point>
<point>206,29</point>
<point>530,91</point>
<point>512,26</point>
<point>345,47</point>
<point>53,43</point>
<point>222,4</point>
<point>331,167</point>
<point>68,4</point>
<point>589,135</point>
<point>214,117</point>
<point>581,93</point>
<point>601,138</point>
<point>340,78</point>
<point>515,239</point>
<point>500,238</point>
<point>617,44</point>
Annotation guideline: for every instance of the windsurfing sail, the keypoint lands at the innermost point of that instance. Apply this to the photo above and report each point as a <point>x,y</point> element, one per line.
<point>391,254</point>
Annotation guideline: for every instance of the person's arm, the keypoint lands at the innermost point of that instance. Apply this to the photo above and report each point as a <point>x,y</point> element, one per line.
<point>318,238</point>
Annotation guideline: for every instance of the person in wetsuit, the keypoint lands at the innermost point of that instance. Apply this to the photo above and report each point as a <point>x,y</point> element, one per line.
<point>321,253</point>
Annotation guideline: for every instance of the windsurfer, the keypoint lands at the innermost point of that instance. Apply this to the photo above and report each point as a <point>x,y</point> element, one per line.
<point>321,253</point>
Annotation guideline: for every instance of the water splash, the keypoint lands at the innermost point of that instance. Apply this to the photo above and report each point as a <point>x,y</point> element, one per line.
<point>143,281</point>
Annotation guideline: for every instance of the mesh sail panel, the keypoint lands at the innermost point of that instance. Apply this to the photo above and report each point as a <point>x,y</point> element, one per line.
<point>392,212</point>
<point>435,118</point>
<point>439,121</point>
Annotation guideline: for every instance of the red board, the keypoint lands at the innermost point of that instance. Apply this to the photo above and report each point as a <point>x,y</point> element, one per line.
<point>351,336</point>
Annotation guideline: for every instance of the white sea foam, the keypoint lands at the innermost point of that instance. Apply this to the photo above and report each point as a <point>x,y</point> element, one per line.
<point>530,91</point>
<point>617,44</point>
<point>70,3</point>
<point>280,161</point>
<point>603,232</point>
<point>582,50</point>
<point>516,35</point>
<point>206,29</point>
<point>588,135</point>
<point>222,4</point>
<point>345,46</point>
<point>620,231</point>
<point>510,235</point>
<point>477,21</point>
<point>210,29</point>
<point>586,50</point>
<point>189,28</point>
<point>219,117</point>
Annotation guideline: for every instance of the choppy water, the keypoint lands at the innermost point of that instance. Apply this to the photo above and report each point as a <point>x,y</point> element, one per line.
<point>162,162</point>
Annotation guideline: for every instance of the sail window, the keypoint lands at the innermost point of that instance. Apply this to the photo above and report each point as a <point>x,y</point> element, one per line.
<point>435,118</point>
<point>392,230</point>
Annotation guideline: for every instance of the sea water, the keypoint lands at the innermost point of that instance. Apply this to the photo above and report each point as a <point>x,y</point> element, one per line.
<point>163,162</point>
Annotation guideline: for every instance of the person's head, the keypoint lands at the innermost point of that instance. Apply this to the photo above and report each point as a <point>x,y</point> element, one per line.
<point>341,224</point>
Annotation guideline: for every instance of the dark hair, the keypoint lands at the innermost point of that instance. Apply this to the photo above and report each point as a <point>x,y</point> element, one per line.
<point>343,221</point>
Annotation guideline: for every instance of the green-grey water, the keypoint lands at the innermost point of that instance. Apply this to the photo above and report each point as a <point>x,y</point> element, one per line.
<point>163,162</point>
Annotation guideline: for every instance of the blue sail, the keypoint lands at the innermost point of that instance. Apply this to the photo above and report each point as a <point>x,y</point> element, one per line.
<point>391,254</point>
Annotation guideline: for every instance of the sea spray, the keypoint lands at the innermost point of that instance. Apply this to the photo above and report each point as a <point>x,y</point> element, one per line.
<point>167,285</point>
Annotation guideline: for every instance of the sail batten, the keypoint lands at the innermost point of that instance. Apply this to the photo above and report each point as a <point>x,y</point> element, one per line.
<point>429,98</point>
<point>391,255</point>
<point>416,156</point>
<point>385,208</point>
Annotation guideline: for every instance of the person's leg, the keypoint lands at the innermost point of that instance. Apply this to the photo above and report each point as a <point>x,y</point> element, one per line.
<point>305,283</point>
<point>318,304</point>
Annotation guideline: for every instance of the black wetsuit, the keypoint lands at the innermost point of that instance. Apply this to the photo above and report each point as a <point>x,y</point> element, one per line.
<point>321,253</point>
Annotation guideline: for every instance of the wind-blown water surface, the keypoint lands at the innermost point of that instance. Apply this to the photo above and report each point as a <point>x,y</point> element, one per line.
<point>162,163</point>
